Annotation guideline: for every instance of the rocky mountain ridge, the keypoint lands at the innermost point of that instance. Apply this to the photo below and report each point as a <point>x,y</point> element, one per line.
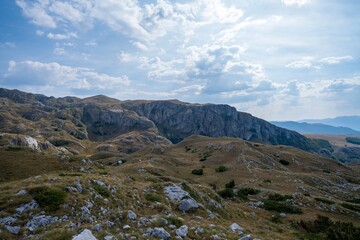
<point>101,118</point>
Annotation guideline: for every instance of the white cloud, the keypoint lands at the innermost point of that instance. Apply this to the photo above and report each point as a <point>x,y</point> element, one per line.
<point>59,51</point>
<point>39,32</point>
<point>91,43</point>
<point>36,11</point>
<point>336,60</point>
<point>61,36</point>
<point>296,2</point>
<point>56,75</point>
<point>140,45</point>
<point>299,64</point>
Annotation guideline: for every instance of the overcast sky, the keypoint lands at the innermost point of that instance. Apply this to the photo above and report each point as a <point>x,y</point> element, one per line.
<point>276,59</point>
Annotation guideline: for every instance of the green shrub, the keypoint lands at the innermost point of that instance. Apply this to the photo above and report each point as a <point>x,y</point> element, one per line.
<point>199,171</point>
<point>324,228</point>
<point>276,218</point>
<point>226,193</point>
<point>248,191</point>
<point>324,200</point>
<point>175,221</point>
<point>69,174</point>
<point>271,205</point>
<point>49,199</point>
<point>355,200</point>
<point>279,197</point>
<point>102,191</point>
<point>353,140</point>
<point>351,206</point>
<point>152,197</point>
<point>267,181</point>
<point>284,162</point>
<point>221,169</point>
<point>230,184</point>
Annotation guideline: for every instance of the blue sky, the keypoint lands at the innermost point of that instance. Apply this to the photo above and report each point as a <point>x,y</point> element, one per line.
<point>276,59</point>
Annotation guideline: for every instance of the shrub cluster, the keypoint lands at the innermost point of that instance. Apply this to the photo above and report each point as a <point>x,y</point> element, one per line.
<point>221,169</point>
<point>278,197</point>
<point>276,206</point>
<point>49,199</point>
<point>199,171</point>
<point>284,162</point>
<point>325,228</point>
<point>152,197</point>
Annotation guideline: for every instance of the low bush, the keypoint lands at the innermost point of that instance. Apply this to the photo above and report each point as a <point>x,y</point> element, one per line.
<point>226,193</point>
<point>279,197</point>
<point>351,206</point>
<point>324,228</point>
<point>230,184</point>
<point>152,197</point>
<point>248,191</point>
<point>175,221</point>
<point>324,200</point>
<point>49,199</point>
<point>103,191</point>
<point>284,162</point>
<point>199,171</point>
<point>276,206</point>
<point>221,169</point>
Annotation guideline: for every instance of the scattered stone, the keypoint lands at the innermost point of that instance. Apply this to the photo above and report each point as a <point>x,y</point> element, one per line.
<point>97,227</point>
<point>182,231</point>
<point>109,237</point>
<point>12,229</point>
<point>172,226</point>
<point>126,227</point>
<point>40,221</point>
<point>131,215</point>
<point>119,162</point>
<point>27,206</point>
<point>256,204</point>
<point>236,228</point>
<point>142,170</point>
<point>144,221</point>
<point>247,237</point>
<point>160,233</point>
<point>215,204</point>
<point>199,231</point>
<point>85,212</point>
<point>85,235</point>
<point>176,193</point>
<point>187,205</point>
<point>71,189</point>
<point>83,170</point>
<point>78,186</point>
<point>99,183</point>
<point>8,220</point>
<point>110,224</point>
<point>22,192</point>
<point>282,215</point>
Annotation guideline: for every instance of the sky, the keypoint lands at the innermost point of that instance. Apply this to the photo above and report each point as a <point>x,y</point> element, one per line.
<point>275,59</point>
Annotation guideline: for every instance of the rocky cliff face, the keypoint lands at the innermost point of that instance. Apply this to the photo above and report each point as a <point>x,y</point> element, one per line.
<point>177,120</point>
<point>101,118</point>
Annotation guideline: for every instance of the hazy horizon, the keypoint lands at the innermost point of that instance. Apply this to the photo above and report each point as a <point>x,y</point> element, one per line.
<point>276,59</point>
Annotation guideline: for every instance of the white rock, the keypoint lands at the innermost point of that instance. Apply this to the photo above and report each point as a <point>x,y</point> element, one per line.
<point>247,237</point>
<point>32,143</point>
<point>188,205</point>
<point>175,192</point>
<point>160,233</point>
<point>22,192</point>
<point>236,228</point>
<point>182,231</point>
<point>131,215</point>
<point>27,206</point>
<point>282,215</point>
<point>40,221</point>
<point>12,229</point>
<point>85,235</point>
<point>126,227</point>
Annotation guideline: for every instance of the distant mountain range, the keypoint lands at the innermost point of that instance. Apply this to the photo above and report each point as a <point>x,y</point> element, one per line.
<point>315,128</point>
<point>341,121</point>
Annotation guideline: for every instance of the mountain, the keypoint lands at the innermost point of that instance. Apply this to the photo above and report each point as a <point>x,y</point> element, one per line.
<point>352,122</point>
<point>100,168</point>
<point>139,122</point>
<point>315,128</point>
